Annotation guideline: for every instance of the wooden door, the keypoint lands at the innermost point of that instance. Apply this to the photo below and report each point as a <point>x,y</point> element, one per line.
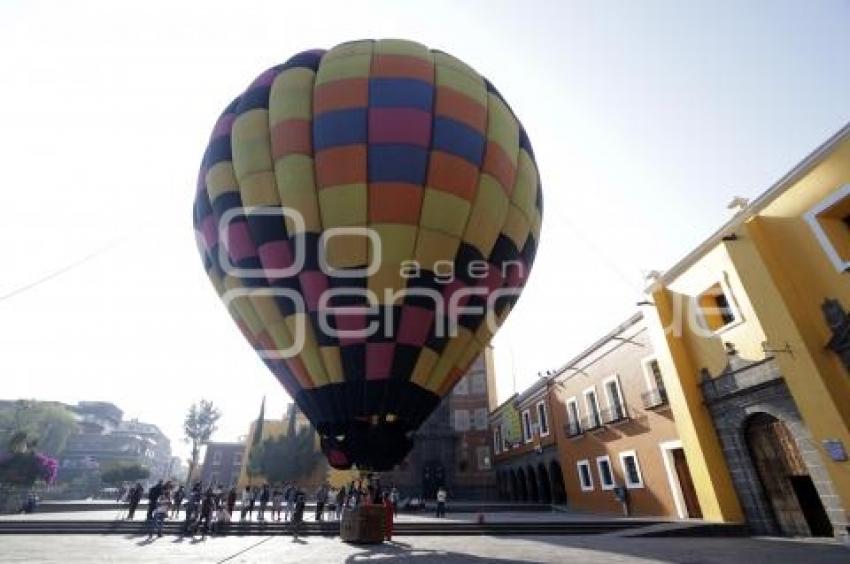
<point>686,484</point>
<point>777,460</point>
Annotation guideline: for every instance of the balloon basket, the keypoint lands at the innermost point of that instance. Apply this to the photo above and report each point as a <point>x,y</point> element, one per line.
<point>363,524</point>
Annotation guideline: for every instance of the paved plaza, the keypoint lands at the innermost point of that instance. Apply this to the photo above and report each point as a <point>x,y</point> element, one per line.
<point>597,549</point>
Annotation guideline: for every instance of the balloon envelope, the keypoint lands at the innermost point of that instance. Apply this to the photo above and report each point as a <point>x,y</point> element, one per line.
<point>368,214</point>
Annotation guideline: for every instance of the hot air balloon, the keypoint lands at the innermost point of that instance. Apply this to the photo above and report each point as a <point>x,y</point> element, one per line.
<point>368,214</point>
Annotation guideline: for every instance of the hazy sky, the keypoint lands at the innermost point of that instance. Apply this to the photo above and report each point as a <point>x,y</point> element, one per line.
<point>646,118</point>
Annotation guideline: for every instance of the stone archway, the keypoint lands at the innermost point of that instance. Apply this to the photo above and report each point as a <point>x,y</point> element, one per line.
<point>523,485</point>
<point>784,478</point>
<point>533,492</point>
<point>543,484</point>
<point>556,477</point>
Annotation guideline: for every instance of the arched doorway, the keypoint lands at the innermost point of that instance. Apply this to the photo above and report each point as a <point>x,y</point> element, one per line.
<point>785,480</point>
<point>533,492</point>
<point>543,484</point>
<point>522,491</point>
<point>559,494</point>
<point>514,488</point>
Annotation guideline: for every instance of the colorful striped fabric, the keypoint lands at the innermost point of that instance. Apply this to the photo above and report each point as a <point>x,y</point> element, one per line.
<point>417,147</point>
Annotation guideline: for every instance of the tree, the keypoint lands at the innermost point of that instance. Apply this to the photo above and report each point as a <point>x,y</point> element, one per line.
<point>45,424</point>
<point>290,457</point>
<point>120,472</point>
<point>199,425</point>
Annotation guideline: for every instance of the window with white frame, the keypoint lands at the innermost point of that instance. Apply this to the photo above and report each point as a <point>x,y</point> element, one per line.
<point>527,431</point>
<point>631,469</point>
<point>591,405</point>
<point>716,307</point>
<point>216,458</point>
<point>652,374</point>
<point>585,478</point>
<point>542,418</point>
<point>237,459</point>
<point>829,221</point>
<point>614,399</point>
<point>573,417</point>
<point>497,439</point>
<point>606,473</point>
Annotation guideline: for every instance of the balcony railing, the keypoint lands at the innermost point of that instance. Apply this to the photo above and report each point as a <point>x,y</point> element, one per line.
<point>573,429</point>
<point>614,414</point>
<point>654,398</point>
<point>591,423</point>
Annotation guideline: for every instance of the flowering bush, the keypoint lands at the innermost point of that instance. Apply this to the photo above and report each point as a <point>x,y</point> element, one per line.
<point>26,468</point>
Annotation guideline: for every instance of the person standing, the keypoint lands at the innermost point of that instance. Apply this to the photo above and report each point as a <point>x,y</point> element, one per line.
<point>340,502</point>
<point>441,502</point>
<point>178,499</point>
<point>231,501</point>
<point>298,513</point>
<point>161,507</point>
<point>153,497</point>
<point>321,499</point>
<point>388,517</point>
<point>135,497</point>
<point>246,501</point>
<point>252,502</point>
<point>277,500</point>
<point>289,497</point>
<point>265,495</point>
<point>394,500</point>
<point>207,507</point>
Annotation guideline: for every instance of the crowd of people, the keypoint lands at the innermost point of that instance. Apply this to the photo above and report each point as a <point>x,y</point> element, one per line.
<point>212,510</point>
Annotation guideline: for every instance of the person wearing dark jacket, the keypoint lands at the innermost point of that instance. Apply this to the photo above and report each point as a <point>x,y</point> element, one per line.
<point>134,497</point>
<point>265,496</point>
<point>231,501</point>
<point>178,500</point>
<point>153,498</point>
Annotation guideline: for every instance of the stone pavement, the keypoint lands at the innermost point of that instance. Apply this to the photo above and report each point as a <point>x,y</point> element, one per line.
<point>598,549</point>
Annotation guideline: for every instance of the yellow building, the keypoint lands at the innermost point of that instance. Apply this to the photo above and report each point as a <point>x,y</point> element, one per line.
<point>753,339</point>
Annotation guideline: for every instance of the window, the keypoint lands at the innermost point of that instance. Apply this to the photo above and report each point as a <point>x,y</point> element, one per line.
<point>479,419</point>
<point>542,418</point>
<point>479,385</point>
<point>591,404</point>
<point>461,420</point>
<point>527,432</point>
<point>715,307</point>
<point>497,440</point>
<point>573,418</point>
<point>237,459</point>
<point>462,387</point>
<point>631,469</point>
<point>655,394</point>
<point>216,458</point>
<point>606,476</point>
<point>616,410</point>
<point>829,220</point>
<point>482,455</point>
<point>213,478</point>
<point>585,479</point>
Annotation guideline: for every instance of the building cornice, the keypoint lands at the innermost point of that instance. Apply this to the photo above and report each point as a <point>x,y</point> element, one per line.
<point>767,197</point>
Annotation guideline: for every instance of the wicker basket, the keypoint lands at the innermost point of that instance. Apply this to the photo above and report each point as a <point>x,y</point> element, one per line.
<point>363,524</point>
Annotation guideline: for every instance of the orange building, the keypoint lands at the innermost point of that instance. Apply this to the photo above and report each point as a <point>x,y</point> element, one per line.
<point>615,431</point>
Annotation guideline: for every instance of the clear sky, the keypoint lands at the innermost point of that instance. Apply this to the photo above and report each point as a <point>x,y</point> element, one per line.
<point>646,118</point>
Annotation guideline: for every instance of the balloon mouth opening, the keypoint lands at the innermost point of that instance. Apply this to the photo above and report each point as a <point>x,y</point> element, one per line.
<point>368,446</point>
